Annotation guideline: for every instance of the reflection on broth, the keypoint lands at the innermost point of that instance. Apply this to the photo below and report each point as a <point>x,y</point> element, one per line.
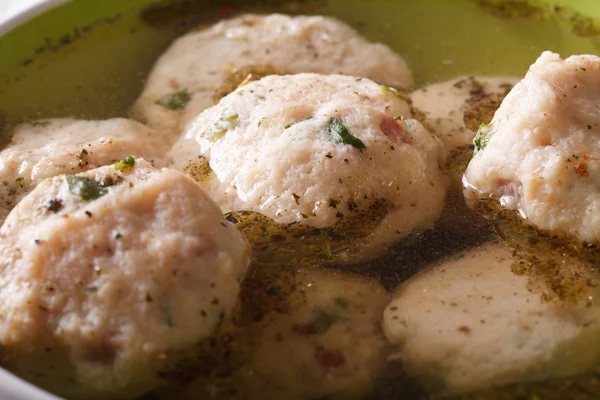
<point>481,303</point>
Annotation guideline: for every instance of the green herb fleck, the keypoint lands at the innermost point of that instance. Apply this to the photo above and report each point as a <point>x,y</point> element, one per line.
<point>175,101</point>
<point>220,128</point>
<point>324,321</point>
<point>341,134</point>
<point>40,123</point>
<point>394,91</point>
<point>295,122</point>
<point>148,298</point>
<point>484,134</point>
<point>261,121</point>
<point>90,289</point>
<point>126,163</point>
<point>230,118</point>
<point>85,188</point>
<point>341,302</point>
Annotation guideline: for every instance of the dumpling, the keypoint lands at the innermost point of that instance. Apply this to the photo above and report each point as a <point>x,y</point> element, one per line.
<point>326,344</point>
<point>47,148</point>
<point>470,322</point>
<point>455,109</point>
<point>331,344</point>
<point>202,66</point>
<point>319,151</point>
<point>541,153</point>
<point>108,275</point>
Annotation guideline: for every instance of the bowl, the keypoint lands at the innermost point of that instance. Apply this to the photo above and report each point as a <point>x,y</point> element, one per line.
<point>44,25</point>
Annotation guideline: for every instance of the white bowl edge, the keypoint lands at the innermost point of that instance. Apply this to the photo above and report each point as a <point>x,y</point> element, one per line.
<point>27,13</point>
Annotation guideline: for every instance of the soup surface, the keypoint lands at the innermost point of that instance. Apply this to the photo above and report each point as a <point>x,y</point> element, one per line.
<point>97,72</point>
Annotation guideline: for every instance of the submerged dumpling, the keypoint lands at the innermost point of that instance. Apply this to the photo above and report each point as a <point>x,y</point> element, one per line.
<point>541,153</point>
<point>47,148</point>
<point>470,322</point>
<point>317,150</point>
<point>202,66</point>
<point>331,344</point>
<point>327,344</point>
<point>106,274</point>
<point>455,109</point>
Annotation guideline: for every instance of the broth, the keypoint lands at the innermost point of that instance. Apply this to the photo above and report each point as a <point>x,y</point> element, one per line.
<point>97,72</point>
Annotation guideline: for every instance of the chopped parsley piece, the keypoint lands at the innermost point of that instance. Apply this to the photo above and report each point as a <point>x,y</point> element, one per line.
<point>324,321</point>
<point>85,188</point>
<point>40,123</point>
<point>341,302</point>
<point>126,163</point>
<point>175,101</point>
<point>484,134</point>
<point>341,134</point>
<point>394,91</point>
<point>295,122</point>
<point>220,128</point>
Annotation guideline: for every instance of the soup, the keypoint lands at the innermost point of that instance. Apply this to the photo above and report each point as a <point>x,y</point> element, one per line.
<point>304,313</point>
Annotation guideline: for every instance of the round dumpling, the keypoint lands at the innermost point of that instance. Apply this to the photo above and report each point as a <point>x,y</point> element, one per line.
<point>541,153</point>
<point>202,66</point>
<point>455,109</point>
<point>106,274</point>
<point>331,344</point>
<point>327,344</point>
<point>470,322</point>
<point>317,150</point>
<point>47,148</point>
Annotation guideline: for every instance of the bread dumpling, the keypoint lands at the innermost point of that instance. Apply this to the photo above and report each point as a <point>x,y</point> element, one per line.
<point>326,344</point>
<point>470,323</point>
<point>51,147</point>
<point>108,275</point>
<point>202,66</point>
<point>318,151</point>
<point>540,155</point>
